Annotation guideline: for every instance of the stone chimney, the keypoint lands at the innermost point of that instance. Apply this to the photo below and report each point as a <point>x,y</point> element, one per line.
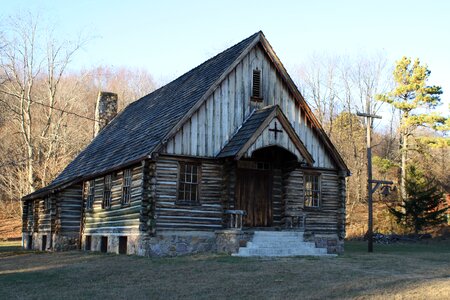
<point>105,110</point>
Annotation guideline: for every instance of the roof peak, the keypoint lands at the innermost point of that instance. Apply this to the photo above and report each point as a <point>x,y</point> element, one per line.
<point>139,128</point>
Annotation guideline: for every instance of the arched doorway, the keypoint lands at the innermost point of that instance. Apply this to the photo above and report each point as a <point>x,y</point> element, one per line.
<point>259,186</point>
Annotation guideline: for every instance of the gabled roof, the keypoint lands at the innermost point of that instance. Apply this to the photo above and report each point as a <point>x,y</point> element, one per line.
<point>135,133</point>
<point>143,126</point>
<point>254,126</point>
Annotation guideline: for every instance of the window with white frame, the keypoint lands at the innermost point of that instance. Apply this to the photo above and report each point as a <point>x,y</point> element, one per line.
<point>90,193</point>
<point>126,187</point>
<point>107,184</point>
<point>188,183</point>
<point>312,190</point>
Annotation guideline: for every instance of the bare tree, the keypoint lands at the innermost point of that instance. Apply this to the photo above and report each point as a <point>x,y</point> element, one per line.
<point>32,64</point>
<point>337,87</point>
<point>319,83</point>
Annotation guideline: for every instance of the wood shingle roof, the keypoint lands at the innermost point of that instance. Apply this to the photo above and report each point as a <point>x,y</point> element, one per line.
<point>135,133</point>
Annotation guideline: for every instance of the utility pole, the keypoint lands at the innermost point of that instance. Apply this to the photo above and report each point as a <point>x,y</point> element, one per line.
<point>369,117</point>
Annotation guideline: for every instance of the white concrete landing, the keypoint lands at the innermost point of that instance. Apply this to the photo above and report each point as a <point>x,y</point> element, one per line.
<point>280,243</point>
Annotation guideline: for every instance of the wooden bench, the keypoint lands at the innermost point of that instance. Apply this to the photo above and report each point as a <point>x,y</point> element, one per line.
<point>235,218</point>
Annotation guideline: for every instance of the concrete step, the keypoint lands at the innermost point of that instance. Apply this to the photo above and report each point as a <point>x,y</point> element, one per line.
<point>279,233</point>
<point>275,239</point>
<point>243,252</point>
<point>279,243</point>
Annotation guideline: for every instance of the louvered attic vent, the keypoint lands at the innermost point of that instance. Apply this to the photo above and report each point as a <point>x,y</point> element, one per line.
<point>256,90</point>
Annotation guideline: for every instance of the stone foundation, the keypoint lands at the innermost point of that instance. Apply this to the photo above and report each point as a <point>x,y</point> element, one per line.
<point>180,243</point>
<point>133,246</point>
<point>169,243</point>
<point>229,240</point>
<point>165,244</point>
<point>27,242</point>
<point>65,242</point>
<point>331,242</point>
<point>53,242</point>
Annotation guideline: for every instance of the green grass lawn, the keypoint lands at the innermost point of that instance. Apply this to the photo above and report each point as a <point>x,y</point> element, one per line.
<point>399,271</point>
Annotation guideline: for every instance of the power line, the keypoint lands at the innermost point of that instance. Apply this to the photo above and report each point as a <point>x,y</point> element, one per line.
<point>64,111</point>
<point>59,109</point>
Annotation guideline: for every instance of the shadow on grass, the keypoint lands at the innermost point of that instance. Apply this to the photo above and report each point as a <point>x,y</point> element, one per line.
<point>360,247</point>
<point>396,269</point>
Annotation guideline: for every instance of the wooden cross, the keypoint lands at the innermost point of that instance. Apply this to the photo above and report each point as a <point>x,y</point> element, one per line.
<point>275,130</point>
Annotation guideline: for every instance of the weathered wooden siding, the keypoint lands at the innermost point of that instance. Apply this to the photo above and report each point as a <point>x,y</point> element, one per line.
<point>293,192</point>
<point>277,198</point>
<point>267,138</point>
<point>46,216</point>
<point>172,216</point>
<point>327,218</point>
<point>229,191</point>
<point>30,216</point>
<point>118,218</point>
<point>229,185</point>
<point>215,122</point>
<point>69,205</point>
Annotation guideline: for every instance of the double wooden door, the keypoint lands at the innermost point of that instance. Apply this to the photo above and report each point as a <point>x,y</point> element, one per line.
<point>254,195</point>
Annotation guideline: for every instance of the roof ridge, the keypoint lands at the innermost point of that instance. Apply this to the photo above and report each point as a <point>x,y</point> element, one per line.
<point>198,66</point>
<point>142,125</point>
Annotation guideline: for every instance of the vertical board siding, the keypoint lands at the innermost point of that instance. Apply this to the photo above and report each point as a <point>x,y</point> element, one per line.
<point>267,138</point>
<point>171,216</point>
<point>219,118</point>
<point>119,218</point>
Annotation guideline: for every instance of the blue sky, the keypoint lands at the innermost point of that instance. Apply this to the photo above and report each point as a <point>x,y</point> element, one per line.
<point>169,38</point>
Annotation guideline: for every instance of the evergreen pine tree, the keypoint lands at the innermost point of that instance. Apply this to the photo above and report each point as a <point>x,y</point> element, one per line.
<point>412,96</point>
<point>424,205</point>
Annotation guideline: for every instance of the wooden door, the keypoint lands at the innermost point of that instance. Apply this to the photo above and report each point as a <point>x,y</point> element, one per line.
<point>254,195</point>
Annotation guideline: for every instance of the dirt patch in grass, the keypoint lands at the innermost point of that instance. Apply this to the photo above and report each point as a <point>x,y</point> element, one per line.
<point>392,271</point>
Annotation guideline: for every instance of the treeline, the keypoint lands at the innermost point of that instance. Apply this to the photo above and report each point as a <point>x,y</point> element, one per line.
<point>47,109</point>
<point>412,133</point>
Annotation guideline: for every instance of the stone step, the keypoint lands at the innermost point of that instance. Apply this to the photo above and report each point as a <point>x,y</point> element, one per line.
<point>280,252</point>
<point>278,233</point>
<point>279,243</point>
<point>277,239</point>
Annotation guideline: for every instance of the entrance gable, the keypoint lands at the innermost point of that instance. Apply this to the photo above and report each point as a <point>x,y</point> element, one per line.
<point>264,128</point>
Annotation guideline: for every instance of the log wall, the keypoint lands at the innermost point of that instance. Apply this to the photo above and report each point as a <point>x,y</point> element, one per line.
<point>46,216</point>
<point>69,206</point>
<point>277,198</point>
<point>118,218</point>
<point>170,215</point>
<point>327,219</point>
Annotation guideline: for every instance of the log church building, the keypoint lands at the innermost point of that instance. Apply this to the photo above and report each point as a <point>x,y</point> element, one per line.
<point>226,158</point>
